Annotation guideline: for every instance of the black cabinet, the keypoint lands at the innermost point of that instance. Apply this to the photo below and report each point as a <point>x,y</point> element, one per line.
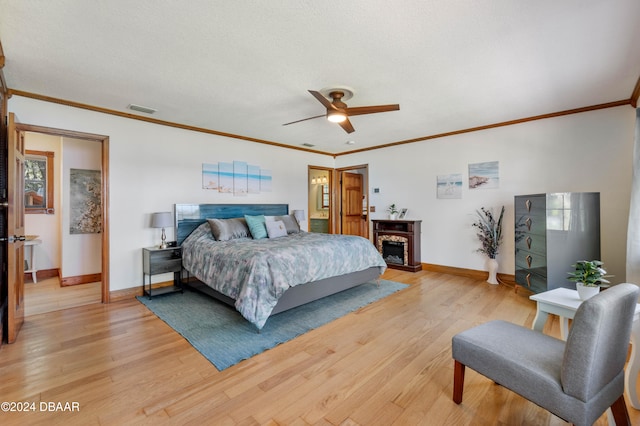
<point>552,232</point>
<point>160,261</point>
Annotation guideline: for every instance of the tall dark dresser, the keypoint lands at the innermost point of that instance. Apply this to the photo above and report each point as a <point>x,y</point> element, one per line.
<point>552,232</point>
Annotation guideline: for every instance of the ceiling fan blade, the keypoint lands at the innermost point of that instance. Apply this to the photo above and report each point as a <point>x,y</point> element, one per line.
<point>324,101</point>
<point>372,109</point>
<point>346,125</point>
<point>305,119</point>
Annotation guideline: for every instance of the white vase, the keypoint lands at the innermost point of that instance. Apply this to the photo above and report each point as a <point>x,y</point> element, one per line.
<point>586,292</point>
<point>492,267</point>
<point>393,216</point>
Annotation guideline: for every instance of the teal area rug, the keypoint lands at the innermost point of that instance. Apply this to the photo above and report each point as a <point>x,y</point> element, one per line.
<point>225,338</point>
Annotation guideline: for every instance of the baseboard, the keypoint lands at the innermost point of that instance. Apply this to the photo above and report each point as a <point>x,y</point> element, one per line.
<point>80,279</point>
<point>509,280</point>
<point>42,274</point>
<point>130,293</point>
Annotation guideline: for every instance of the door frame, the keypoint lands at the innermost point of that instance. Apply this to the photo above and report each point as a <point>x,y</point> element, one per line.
<point>104,140</point>
<point>332,195</point>
<point>365,190</point>
<point>335,187</point>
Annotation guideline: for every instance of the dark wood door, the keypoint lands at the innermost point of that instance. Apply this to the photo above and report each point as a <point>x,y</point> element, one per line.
<point>352,220</point>
<point>15,230</point>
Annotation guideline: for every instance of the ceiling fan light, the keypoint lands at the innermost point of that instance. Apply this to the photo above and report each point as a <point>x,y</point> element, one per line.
<point>336,116</point>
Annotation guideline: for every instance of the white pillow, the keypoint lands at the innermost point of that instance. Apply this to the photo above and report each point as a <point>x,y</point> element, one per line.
<point>276,229</point>
<point>289,220</point>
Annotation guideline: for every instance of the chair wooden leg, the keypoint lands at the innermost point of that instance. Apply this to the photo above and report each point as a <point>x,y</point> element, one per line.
<point>620,413</point>
<point>458,381</point>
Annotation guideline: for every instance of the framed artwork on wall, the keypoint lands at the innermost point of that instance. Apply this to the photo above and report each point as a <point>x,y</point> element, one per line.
<point>449,186</point>
<point>484,175</point>
<point>237,177</point>
<point>85,201</point>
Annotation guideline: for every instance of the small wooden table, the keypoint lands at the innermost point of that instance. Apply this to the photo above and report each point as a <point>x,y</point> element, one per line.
<point>31,263</point>
<point>564,302</point>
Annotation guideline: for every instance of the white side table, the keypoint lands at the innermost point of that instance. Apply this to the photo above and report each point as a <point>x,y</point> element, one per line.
<point>564,302</point>
<point>31,264</point>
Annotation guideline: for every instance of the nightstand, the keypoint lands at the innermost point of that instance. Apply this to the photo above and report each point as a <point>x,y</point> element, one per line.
<point>160,261</point>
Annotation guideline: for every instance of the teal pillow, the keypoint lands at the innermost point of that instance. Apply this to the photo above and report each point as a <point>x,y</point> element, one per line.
<point>256,226</point>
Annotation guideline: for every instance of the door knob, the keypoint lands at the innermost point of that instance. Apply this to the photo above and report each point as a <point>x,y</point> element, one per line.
<point>13,239</point>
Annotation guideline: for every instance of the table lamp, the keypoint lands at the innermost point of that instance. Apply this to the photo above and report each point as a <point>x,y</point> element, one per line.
<point>162,220</point>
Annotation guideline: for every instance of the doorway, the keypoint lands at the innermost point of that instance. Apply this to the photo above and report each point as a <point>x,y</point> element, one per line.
<point>54,292</point>
<point>320,199</point>
<point>354,203</point>
<point>338,202</point>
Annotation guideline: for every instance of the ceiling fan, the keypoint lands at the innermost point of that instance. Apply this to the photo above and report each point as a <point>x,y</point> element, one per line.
<point>339,112</point>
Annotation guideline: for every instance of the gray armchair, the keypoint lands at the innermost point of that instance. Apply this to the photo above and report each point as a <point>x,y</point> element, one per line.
<point>576,380</point>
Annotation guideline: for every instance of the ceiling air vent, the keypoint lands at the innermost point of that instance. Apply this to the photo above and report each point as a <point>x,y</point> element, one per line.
<point>141,108</point>
<point>308,145</point>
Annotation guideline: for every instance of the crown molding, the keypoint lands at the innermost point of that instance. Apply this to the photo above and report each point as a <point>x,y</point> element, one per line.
<point>613,104</point>
<point>154,120</point>
<point>501,124</point>
<point>635,94</point>
<point>3,82</point>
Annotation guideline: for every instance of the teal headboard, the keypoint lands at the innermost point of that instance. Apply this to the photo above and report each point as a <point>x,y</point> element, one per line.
<point>189,216</point>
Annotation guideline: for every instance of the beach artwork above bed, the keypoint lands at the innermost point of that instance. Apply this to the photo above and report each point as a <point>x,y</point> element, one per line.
<point>238,178</point>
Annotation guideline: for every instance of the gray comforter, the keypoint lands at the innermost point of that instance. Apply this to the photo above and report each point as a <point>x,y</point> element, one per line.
<point>257,272</point>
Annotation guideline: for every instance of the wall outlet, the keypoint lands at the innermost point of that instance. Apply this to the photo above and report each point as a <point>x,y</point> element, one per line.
<point>372,209</point>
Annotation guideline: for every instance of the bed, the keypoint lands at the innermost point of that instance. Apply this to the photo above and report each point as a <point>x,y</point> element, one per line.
<point>264,276</point>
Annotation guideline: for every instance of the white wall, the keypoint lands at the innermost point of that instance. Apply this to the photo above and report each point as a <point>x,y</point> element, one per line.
<point>153,167</point>
<point>81,253</point>
<point>46,226</point>
<point>582,152</point>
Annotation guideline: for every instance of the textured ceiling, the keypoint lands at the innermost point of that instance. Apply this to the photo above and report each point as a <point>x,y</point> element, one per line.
<point>244,67</point>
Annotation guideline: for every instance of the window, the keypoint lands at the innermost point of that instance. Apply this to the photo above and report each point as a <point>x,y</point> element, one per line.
<point>38,182</point>
<point>325,196</point>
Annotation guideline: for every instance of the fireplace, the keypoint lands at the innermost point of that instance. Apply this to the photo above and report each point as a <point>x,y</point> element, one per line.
<point>394,249</point>
<point>398,241</point>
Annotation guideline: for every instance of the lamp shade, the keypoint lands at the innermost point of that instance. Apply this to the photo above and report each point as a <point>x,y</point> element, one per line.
<point>162,220</point>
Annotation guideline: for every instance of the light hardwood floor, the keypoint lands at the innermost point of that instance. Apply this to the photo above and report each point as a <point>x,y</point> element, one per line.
<point>386,364</point>
<point>47,295</point>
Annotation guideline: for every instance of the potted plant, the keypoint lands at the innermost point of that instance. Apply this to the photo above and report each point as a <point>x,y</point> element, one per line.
<point>588,275</point>
<point>393,212</point>
<point>490,236</point>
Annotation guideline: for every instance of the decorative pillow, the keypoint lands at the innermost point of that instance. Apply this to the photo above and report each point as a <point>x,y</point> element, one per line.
<point>276,229</point>
<point>228,229</point>
<point>256,226</point>
<point>290,222</point>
